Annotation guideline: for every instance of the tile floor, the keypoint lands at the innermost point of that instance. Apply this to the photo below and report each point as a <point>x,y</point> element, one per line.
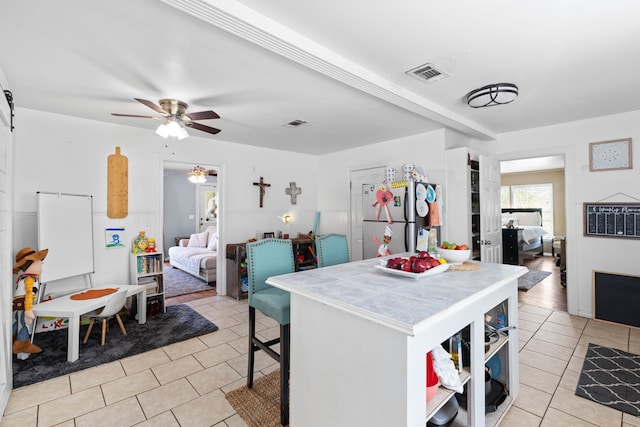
<point>184,384</point>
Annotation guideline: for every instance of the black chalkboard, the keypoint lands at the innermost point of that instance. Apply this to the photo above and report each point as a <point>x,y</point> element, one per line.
<point>616,298</point>
<point>621,220</point>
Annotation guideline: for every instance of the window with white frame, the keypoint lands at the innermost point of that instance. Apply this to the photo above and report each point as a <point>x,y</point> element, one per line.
<point>530,196</point>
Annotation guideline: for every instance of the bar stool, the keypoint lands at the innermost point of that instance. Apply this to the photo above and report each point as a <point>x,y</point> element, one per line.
<point>332,249</point>
<point>266,258</point>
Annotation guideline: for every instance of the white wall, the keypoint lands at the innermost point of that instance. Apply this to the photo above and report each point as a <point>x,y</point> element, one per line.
<point>585,254</point>
<point>56,153</point>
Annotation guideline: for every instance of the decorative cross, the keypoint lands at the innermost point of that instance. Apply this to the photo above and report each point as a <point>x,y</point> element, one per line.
<point>263,185</point>
<point>293,191</point>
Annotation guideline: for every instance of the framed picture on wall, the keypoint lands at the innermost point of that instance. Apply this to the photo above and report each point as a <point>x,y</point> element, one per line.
<point>610,155</point>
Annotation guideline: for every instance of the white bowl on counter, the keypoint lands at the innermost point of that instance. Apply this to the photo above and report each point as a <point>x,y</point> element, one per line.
<point>455,256</point>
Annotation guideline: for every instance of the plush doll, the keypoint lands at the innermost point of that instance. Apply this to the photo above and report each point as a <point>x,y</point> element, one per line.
<point>29,262</point>
<point>382,247</point>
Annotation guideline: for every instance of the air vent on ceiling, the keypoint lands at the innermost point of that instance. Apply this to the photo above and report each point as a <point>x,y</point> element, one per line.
<point>295,123</point>
<point>427,73</point>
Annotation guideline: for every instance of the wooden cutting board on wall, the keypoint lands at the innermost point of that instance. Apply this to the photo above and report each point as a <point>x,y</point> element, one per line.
<point>117,185</point>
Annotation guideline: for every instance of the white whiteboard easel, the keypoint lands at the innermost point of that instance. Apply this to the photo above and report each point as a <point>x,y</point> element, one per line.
<point>65,227</point>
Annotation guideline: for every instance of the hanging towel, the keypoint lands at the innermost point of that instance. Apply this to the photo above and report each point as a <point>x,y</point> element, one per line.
<point>434,214</point>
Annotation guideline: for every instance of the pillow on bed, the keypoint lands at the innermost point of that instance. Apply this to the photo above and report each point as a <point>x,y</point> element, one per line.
<point>198,240</point>
<point>213,242</point>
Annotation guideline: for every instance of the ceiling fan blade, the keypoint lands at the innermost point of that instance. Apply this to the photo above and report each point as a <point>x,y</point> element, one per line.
<point>203,115</point>
<point>151,105</point>
<point>203,128</point>
<point>135,115</point>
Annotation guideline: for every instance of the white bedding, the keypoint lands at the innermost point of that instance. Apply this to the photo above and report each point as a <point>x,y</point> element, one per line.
<point>532,233</point>
<point>529,222</point>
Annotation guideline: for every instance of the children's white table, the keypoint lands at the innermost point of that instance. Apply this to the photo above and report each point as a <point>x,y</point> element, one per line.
<point>64,306</point>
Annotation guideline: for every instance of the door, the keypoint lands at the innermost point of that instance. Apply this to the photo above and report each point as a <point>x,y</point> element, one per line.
<point>207,205</point>
<point>357,178</point>
<point>6,375</point>
<point>490,213</point>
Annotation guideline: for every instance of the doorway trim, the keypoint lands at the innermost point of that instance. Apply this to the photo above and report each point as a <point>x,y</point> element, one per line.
<point>569,205</point>
<point>165,163</point>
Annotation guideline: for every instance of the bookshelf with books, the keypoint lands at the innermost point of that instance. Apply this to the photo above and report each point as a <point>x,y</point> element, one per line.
<point>146,270</point>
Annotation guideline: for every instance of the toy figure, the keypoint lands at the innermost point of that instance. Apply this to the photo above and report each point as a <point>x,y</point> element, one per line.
<point>29,262</point>
<point>140,244</point>
<point>382,247</point>
<point>152,245</point>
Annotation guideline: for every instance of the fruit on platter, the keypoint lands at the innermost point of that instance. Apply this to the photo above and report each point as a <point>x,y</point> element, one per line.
<point>453,246</point>
<point>416,263</point>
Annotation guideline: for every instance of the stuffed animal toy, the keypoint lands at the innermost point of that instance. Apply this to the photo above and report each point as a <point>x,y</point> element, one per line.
<point>29,262</point>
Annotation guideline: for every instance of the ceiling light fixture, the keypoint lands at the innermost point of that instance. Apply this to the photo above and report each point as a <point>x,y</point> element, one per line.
<point>198,175</point>
<point>495,94</point>
<point>173,127</point>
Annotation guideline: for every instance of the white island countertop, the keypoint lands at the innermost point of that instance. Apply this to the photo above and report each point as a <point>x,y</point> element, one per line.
<point>359,336</point>
<point>408,305</point>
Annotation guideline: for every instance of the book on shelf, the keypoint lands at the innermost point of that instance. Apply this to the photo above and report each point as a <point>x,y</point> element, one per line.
<point>150,282</point>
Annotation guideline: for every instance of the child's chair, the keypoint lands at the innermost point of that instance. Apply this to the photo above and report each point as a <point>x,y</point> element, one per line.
<point>111,309</point>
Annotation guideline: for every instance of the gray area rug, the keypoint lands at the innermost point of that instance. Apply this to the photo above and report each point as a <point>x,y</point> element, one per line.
<point>177,282</point>
<point>179,323</point>
<point>611,377</point>
<point>531,278</point>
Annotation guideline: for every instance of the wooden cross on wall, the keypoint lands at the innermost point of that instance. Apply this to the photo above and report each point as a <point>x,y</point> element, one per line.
<point>263,185</point>
<point>293,191</point>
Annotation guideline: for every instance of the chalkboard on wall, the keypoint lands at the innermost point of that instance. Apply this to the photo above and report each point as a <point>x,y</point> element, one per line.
<point>65,227</point>
<point>615,298</point>
<point>620,220</point>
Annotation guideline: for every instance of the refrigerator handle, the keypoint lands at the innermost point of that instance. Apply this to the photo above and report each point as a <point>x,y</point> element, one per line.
<point>406,205</point>
<point>406,237</point>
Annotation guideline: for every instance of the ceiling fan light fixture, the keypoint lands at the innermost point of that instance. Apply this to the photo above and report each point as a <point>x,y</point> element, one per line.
<point>175,117</point>
<point>181,133</point>
<point>172,128</point>
<point>494,94</point>
<point>162,130</point>
<point>199,179</point>
<point>198,175</point>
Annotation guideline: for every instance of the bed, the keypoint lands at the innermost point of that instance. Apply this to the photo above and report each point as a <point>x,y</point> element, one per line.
<point>529,221</point>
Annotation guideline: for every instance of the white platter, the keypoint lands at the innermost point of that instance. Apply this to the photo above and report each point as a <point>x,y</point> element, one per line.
<point>421,192</point>
<point>431,272</point>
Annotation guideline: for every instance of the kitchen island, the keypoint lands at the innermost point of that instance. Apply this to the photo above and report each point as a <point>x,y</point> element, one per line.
<point>359,337</point>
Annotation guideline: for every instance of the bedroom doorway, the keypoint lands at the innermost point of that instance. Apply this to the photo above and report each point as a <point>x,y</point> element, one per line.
<point>540,171</point>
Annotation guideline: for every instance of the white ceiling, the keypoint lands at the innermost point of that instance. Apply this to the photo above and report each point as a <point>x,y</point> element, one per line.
<point>339,65</point>
<point>532,164</point>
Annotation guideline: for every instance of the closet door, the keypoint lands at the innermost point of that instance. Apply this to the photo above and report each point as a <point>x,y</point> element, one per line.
<point>6,215</point>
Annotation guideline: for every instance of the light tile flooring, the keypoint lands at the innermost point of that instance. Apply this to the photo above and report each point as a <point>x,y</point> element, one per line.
<point>184,384</point>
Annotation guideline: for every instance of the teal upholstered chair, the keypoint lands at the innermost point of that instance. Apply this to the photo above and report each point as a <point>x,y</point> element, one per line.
<point>266,258</point>
<point>332,249</point>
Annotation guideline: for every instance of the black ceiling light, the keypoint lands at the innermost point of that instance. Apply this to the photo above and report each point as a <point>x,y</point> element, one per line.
<point>495,94</point>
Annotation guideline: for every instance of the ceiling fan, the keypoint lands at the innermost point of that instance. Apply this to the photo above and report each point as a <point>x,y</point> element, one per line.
<point>175,116</point>
<point>197,174</point>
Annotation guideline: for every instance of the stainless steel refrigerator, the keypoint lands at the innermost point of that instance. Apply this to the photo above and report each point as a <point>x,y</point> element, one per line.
<point>405,212</point>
